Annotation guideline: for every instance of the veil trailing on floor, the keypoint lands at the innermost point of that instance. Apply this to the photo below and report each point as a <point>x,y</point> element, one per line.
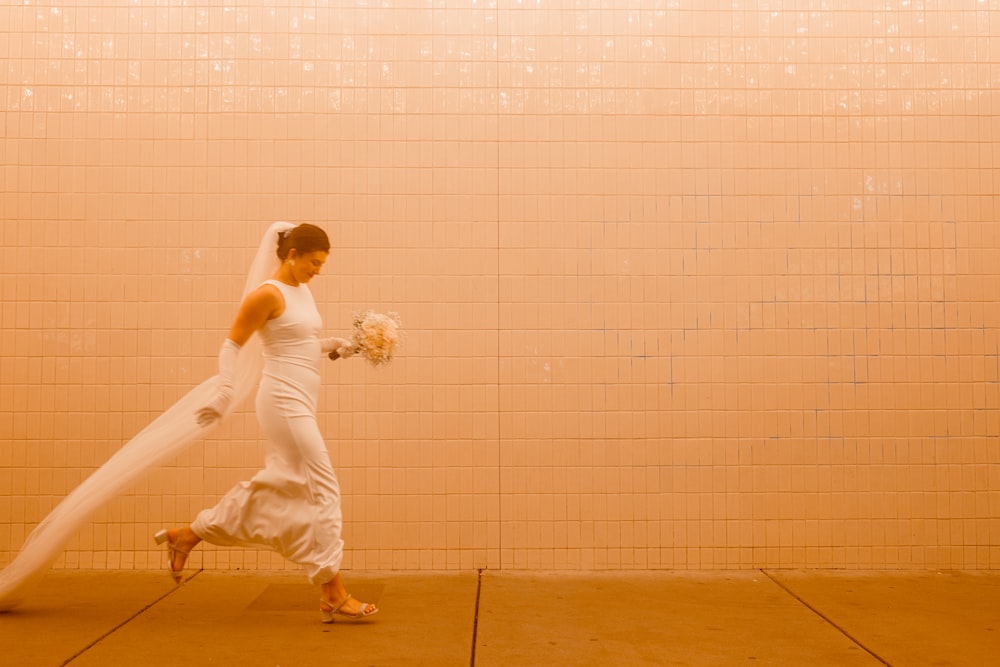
<point>166,437</point>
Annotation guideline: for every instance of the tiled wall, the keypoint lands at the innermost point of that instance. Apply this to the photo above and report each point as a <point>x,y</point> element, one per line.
<point>687,283</point>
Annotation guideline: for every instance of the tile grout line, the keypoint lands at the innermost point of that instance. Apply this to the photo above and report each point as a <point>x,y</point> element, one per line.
<point>499,266</point>
<point>475,618</point>
<point>126,621</point>
<point>826,618</point>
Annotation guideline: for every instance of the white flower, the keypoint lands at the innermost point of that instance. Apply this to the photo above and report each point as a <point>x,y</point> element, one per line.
<point>376,336</point>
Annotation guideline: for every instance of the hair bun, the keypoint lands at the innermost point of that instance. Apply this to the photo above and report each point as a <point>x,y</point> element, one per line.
<point>304,238</point>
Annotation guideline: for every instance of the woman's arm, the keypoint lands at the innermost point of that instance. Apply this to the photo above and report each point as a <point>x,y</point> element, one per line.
<point>260,305</point>
<point>263,304</point>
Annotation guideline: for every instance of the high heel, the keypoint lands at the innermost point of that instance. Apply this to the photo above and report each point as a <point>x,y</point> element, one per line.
<point>327,615</point>
<point>164,536</point>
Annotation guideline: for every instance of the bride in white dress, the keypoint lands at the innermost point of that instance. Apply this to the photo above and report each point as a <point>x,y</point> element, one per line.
<point>292,506</point>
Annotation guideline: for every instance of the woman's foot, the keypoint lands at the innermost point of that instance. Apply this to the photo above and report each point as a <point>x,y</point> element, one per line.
<point>348,607</point>
<point>179,542</point>
<point>336,601</point>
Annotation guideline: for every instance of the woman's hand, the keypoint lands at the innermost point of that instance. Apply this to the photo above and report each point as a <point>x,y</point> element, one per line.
<point>338,348</point>
<point>207,417</point>
<point>343,352</point>
<point>217,406</point>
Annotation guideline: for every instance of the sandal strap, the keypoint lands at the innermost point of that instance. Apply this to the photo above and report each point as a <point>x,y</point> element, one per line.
<point>173,547</point>
<point>335,609</point>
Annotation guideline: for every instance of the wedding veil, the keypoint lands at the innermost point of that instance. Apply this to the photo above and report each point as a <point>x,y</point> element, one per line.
<point>166,437</point>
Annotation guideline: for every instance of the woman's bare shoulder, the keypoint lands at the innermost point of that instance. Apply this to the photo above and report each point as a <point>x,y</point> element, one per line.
<point>266,298</point>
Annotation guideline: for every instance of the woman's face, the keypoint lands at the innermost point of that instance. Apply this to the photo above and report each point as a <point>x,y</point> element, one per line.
<point>308,264</point>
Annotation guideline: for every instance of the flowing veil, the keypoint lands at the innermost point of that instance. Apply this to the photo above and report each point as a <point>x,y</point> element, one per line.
<point>166,437</point>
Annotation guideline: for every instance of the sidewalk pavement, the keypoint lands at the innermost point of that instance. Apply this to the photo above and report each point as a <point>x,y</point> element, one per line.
<point>773,617</point>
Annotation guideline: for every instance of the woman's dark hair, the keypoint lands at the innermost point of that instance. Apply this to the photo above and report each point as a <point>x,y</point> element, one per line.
<point>304,238</point>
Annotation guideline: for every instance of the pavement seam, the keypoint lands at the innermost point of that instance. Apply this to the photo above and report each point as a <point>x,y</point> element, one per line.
<point>475,618</point>
<point>127,621</point>
<point>826,618</point>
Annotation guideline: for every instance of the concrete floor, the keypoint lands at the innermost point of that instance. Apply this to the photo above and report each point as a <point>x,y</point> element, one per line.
<point>511,618</point>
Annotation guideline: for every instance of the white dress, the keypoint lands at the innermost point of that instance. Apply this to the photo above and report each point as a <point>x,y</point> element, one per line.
<point>293,505</point>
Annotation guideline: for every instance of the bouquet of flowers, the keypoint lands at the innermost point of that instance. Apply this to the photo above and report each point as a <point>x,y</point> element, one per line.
<point>375,337</point>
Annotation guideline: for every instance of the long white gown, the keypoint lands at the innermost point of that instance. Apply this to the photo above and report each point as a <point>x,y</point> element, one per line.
<point>293,505</point>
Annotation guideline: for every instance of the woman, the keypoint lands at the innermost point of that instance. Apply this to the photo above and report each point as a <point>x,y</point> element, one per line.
<point>293,505</point>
